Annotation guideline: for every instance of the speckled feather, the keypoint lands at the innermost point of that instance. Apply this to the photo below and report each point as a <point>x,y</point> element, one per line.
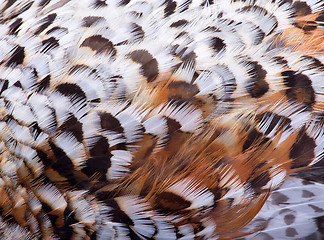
<point>176,119</point>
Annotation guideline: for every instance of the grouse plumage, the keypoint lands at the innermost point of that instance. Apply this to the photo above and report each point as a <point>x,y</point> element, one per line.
<point>175,119</point>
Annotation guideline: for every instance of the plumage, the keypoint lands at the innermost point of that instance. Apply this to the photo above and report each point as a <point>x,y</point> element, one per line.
<point>170,119</point>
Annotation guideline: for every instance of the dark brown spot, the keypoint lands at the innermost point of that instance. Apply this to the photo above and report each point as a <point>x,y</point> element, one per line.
<point>14,27</point>
<point>54,29</point>
<point>205,2</point>
<point>180,90</point>
<point>3,85</point>
<point>44,158</point>
<point>314,63</point>
<point>72,91</point>
<point>70,219</point>
<point>48,20</point>
<point>181,34</point>
<point>100,45</point>
<point>43,3</point>
<point>49,44</point>
<point>170,8</point>
<point>218,194</point>
<point>20,9</point>
<point>100,3</point>
<point>260,181</point>
<point>173,125</point>
<point>285,1</point>
<point>198,227</point>
<point>300,88</point>
<point>212,29</point>
<point>188,59</point>
<point>306,182</point>
<point>289,78</point>
<point>8,4</point>
<point>137,31</point>
<point>17,57</point>
<point>320,18</point>
<point>90,20</point>
<point>18,84</point>
<point>301,8</point>
<point>137,14</point>
<point>149,68</point>
<point>124,2</point>
<point>284,211</point>
<point>302,151</point>
<point>220,14</point>
<point>316,209</point>
<point>306,26</point>
<point>281,61</point>
<point>98,165</point>
<point>100,147</point>
<point>279,198</point>
<point>169,202</point>
<point>174,49</point>
<point>48,208</point>
<point>43,84</point>
<point>116,214</point>
<point>63,164</point>
<point>291,232</point>
<point>109,122</point>
<point>260,165</point>
<point>35,73</point>
<point>73,127</point>
<point>35,130</point>
<point>103,195</point>
<point>256,86</point>
<point>185,5</point>
<point>259,36</point>
<point>289,219</point>
<point>217,44</point>
<point>312,174</point>
<point>179,23</point>
<point>307,194</point>
<point>254,138</point>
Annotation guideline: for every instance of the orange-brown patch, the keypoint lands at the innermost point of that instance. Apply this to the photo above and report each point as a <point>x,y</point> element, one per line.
<point>306,36</point>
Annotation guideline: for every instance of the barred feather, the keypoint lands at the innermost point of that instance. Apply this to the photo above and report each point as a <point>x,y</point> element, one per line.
<point>161,119</point>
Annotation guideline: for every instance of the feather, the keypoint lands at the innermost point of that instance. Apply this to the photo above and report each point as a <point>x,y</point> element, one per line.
<point>175,119</point>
